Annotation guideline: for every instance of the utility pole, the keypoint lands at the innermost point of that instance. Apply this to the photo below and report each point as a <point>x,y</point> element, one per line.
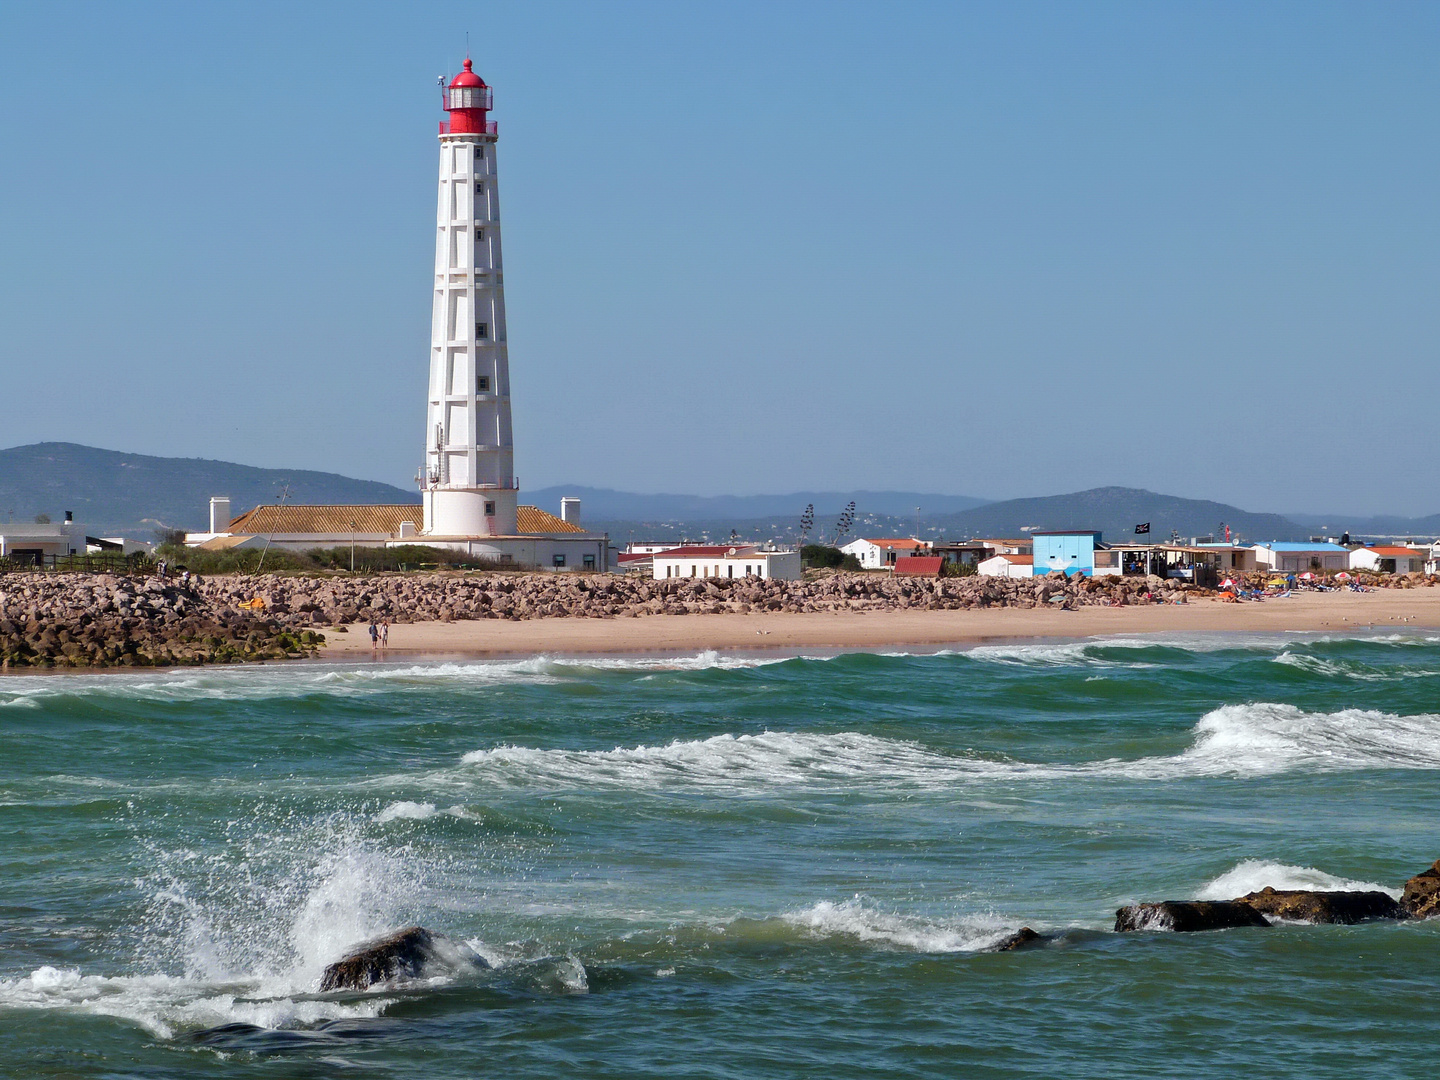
<point>352,546</point>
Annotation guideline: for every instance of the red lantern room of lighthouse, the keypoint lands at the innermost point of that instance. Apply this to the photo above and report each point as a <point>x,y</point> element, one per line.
<point>467,100</point>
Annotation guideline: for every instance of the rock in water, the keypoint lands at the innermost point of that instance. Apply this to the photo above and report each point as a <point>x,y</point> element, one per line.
<point>1185,916</point>
<point>1305,905</point>
<point>1422,893</point>
<point>1018,940</point>
<point>403,954</point>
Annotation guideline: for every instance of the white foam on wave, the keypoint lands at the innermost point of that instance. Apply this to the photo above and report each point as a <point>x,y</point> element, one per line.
<point>1235,740</point>
<point>406,811</point>
<point>300,680</point>
<point>1252,875</point>
<point>1345,669</point>
<point>163,1004</point>
<point>858,920</point>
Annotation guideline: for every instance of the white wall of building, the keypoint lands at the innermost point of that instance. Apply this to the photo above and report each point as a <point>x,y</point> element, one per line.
<point>781,565</point>
<point>1412,562</point>
<point>1000,566</point>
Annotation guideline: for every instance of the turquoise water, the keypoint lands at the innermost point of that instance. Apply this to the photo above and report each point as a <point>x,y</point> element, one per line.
<point>719,866</point>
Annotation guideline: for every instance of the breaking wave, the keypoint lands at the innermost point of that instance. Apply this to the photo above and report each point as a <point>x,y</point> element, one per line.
<point>1252,875</point>
<point>1234,740</point>
<point>859,921</point>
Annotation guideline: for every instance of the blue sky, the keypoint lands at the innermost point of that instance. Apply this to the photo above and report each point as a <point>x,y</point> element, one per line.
<point>1001,250</point>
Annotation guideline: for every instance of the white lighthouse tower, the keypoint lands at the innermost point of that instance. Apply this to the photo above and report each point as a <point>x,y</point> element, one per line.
<point>468,480</point>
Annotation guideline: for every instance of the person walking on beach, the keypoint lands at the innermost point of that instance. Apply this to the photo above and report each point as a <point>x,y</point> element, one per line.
<point>385,634</point>
<point>374,636</point>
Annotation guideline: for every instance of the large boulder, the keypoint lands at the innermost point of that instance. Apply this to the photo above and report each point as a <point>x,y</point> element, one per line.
<point>1186,916</point>
<point>1305,905</point>
<point>1422,893</point>
<point>1018,940</point>
<point>405,954</point>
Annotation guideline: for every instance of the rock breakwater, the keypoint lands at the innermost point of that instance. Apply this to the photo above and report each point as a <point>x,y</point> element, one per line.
<point>321,601</point>
<point>100,620</point>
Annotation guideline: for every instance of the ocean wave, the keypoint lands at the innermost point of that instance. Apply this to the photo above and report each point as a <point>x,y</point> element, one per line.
<point>860,921</point>
<point>1252,875</point>
<point>1235,740</point>
<point>406,811</point>
<point>164,1004</point>
<point>306,679</point>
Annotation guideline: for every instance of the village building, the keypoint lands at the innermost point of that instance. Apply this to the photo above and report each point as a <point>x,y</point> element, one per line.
<point>1004,546</point>
<point>1388,559</point>
<point>1008,565</point>
<point>35,542</point>
<point>1293,557</point>
<point>960,552</point>
<point>1069,551</point>
<point>878,554</point>
<point>543,541</point>
<point>726,561</point>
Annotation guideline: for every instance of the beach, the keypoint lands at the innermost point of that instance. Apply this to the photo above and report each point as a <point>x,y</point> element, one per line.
<point>1340,612</point>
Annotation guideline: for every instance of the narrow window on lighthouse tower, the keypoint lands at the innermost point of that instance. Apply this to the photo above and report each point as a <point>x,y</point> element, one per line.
<point>482,330</point>
<point>482,384</point>
<point>479,234</point>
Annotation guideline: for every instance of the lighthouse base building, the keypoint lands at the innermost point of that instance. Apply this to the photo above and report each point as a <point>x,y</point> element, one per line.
<point>469,496</point>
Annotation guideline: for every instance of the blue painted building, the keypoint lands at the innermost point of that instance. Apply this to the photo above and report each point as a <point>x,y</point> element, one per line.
<point>1070,551</point>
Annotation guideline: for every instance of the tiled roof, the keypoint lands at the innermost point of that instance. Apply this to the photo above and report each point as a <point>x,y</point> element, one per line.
<point>903,543</point>
<point>535,520</point>
<point>381,518</point>
<point>919,565</point>
<point>1392,551</point>
<point>330,520</point>
<point>1018,560</point>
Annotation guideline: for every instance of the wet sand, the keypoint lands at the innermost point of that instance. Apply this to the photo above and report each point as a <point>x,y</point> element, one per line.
<point>1387,608</point>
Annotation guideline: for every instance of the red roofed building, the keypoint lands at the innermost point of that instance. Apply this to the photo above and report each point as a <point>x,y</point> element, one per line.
<point>880,554</point>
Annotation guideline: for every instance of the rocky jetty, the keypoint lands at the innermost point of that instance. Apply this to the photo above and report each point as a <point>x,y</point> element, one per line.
<point>404,954</point>
<point>100,620</point>
<point>1304,905</point>
<point>402,598</point>
<point>1188,916</point>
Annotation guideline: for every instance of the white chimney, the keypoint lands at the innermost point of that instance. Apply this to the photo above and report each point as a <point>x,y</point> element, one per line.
<point>570,510</point>
<point>219,514</point>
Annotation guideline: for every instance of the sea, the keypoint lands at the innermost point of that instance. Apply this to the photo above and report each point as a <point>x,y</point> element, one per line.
<point>723,865</point>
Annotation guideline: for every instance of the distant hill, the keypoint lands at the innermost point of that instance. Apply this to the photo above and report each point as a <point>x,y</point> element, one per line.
<point>604,504</point>
<point>1382,525</point>
<point>134,494</point>
<point>1116,511</point>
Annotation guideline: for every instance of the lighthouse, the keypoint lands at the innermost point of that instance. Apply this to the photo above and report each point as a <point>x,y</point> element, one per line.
<point>468,480</point>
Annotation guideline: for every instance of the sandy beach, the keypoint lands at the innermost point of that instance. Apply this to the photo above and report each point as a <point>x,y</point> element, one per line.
<point>1410,608</point>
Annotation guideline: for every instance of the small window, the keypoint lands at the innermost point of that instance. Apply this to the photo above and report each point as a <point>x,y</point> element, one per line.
<point>559,560</point>
<point>479,187</point>
<point>479,234</point>
<point>482,331</point>
<point>489,509</point>
<point>729,569</point>
<point>482,384</point>
<point>589,561</point>
<point>747,569</point>
<point>479,153</point>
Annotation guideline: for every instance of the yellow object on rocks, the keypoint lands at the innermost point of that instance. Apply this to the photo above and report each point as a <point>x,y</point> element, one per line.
<point>257,604</point>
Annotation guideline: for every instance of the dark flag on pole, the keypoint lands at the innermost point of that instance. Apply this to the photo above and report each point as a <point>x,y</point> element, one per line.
<point>1142,528</point>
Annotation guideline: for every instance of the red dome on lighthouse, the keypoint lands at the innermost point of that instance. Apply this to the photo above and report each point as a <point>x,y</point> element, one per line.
<point>467,77</point>
<point>467,100</point>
